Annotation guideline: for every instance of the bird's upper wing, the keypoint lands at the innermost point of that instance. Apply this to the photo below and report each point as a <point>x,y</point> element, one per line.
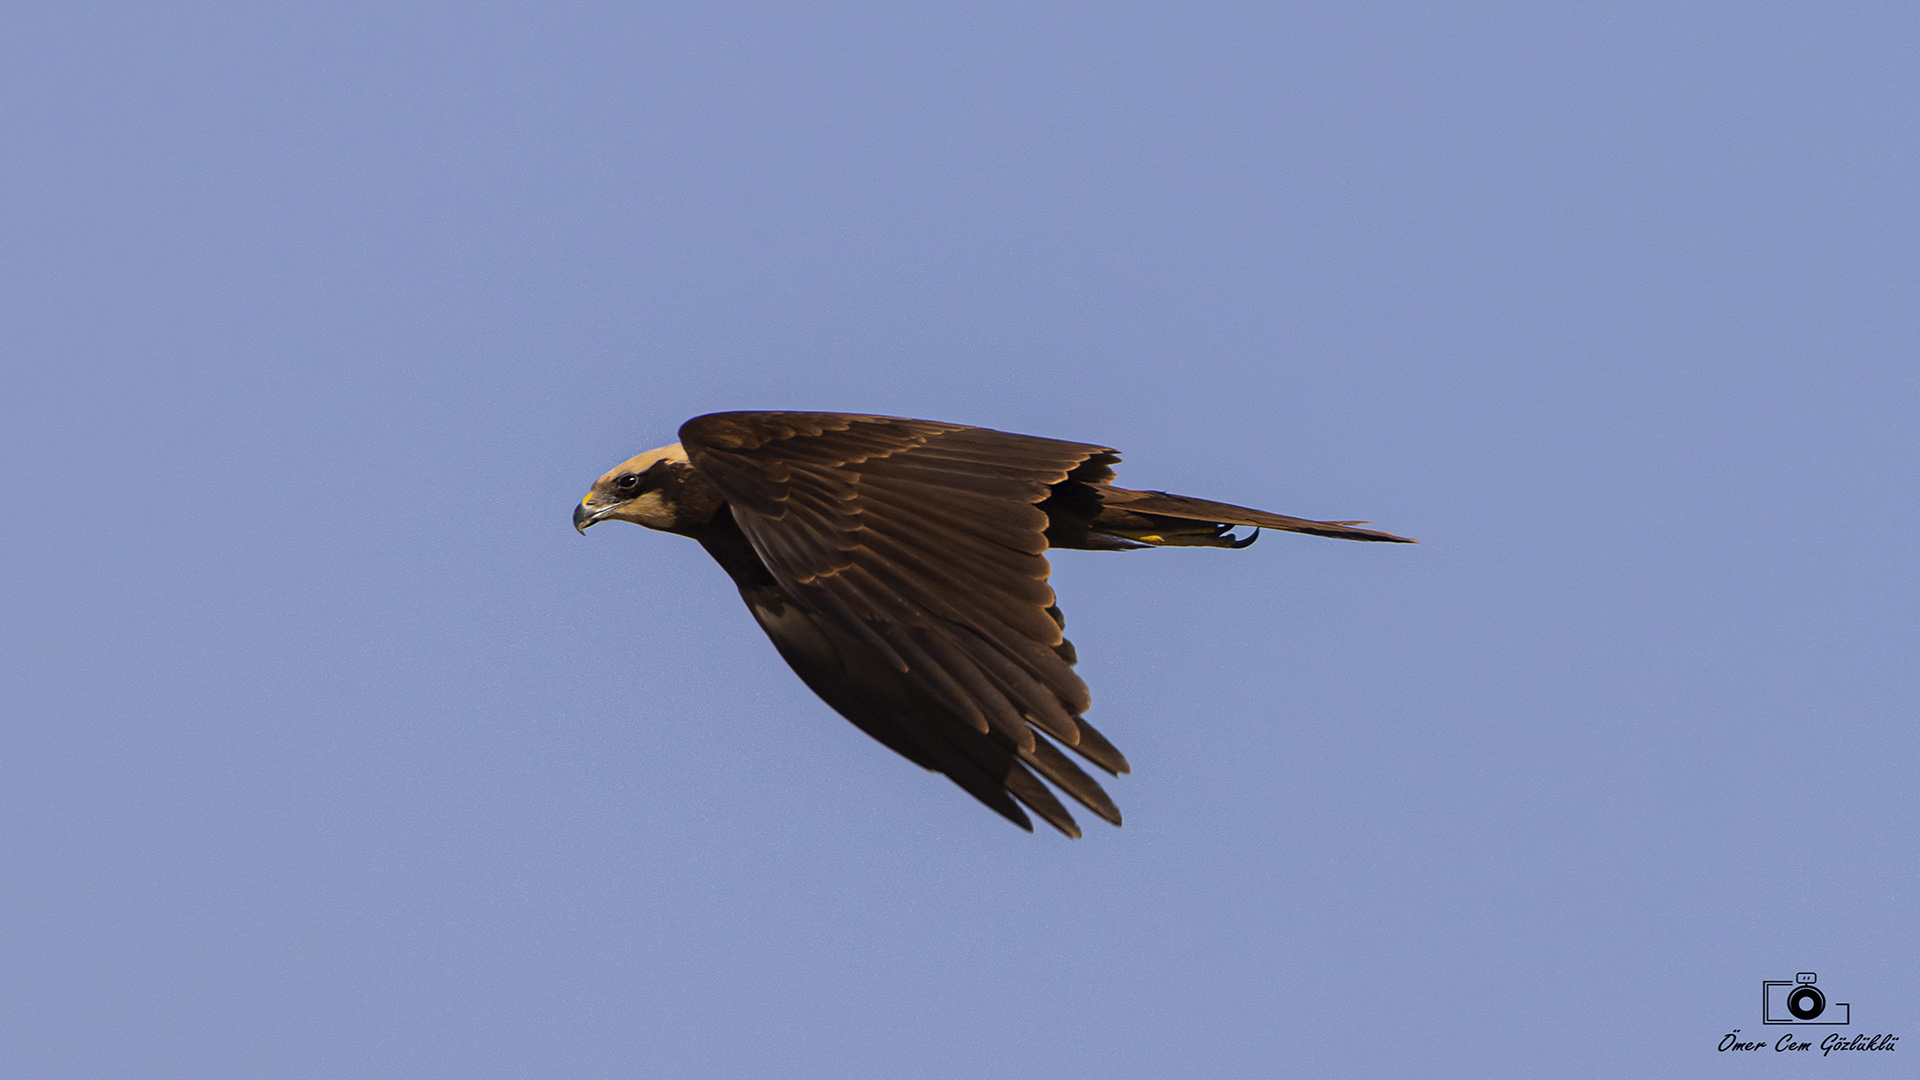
<point>922,540</point>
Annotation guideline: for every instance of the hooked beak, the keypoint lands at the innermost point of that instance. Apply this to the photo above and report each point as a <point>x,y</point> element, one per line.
<point>583,517</point>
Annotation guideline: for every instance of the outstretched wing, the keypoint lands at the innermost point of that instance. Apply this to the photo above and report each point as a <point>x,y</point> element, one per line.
<point>921,543</point>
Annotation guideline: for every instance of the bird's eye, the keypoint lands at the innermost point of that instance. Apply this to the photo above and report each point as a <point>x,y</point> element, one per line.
<point>627,482</point>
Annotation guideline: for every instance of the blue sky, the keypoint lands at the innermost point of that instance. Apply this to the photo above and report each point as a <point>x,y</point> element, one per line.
<point>331,751</point>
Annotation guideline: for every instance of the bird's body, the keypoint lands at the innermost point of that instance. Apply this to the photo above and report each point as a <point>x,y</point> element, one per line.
<point>898,566</point>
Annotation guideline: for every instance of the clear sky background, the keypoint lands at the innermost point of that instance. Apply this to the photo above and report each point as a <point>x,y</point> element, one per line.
<point>330,751</point>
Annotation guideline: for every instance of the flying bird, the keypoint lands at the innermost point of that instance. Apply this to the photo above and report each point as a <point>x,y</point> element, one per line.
<point>900,568</point>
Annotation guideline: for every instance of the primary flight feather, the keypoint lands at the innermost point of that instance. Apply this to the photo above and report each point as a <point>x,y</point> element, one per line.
<point>899,567</point>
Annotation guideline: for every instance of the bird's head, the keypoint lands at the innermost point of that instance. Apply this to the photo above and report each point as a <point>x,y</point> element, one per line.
<point>646,490</point>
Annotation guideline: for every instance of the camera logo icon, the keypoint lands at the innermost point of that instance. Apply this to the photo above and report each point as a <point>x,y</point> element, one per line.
<point>1800,1002</point>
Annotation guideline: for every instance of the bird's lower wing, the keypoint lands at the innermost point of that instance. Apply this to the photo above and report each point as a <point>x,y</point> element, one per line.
<point>920,547</point>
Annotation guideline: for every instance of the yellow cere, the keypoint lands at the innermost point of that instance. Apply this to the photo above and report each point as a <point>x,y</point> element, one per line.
<point>1154,538</point>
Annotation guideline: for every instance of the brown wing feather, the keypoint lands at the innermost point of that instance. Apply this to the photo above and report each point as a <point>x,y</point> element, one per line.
<point>923,542</point>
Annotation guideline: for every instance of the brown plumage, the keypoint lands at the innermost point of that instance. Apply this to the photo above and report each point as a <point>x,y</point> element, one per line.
<point>899,567</point>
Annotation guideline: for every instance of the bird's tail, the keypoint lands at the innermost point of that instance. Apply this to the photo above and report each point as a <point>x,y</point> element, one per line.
<point>1163,520</point>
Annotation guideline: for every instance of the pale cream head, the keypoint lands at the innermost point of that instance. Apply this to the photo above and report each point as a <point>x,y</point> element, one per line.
<point>632,491</point>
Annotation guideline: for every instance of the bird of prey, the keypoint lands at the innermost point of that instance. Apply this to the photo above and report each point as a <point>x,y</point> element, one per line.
<point>900,568</point>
